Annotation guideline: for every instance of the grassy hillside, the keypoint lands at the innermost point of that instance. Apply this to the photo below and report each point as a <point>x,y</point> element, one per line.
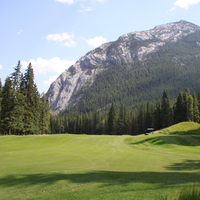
<point>100,167</point>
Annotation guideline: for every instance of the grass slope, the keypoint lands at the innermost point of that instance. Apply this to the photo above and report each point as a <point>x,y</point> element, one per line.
<point>100,167</point>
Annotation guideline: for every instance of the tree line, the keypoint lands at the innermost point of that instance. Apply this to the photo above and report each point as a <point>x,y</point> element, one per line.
<point>22,109</point>
<point>119,120</point>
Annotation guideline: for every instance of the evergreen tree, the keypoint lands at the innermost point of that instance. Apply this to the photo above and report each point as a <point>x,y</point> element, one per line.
<point>195,109</point>
<point>121,123</point>
<point>7,106</point>
<point>17,115</point>
<point>16,77</point>
<point>112,118</point>
<point>134,125</point>
<point>157,116</point>
<point>166,110</point>
<point>44,119</point>
<point>142,118</point>
<point>149,115</point>
<point>32,104</point>
<point>179,109</point>
<point>0,105</point>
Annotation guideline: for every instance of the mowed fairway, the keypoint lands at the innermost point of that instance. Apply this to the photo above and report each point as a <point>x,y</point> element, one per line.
<point>100,167</point>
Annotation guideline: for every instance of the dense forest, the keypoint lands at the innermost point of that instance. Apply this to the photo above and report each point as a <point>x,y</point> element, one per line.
<point>120,120</point>
<point>22,110</point>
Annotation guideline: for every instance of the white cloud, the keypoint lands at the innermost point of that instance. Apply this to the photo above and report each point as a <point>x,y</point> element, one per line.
<point>70,43</point>
<point>19,32</point>
<point>66,1</point>
<point>42,66</point>
<point>50,80</point>
<point>60,37</point>
<point>73,1</point>
<point>85,8</point>
<point>172,9</point>
<point>186,3</point>
<point>46,71</point>
<point>96,41</point>
<point>1,67</point>
<point>100,0</point>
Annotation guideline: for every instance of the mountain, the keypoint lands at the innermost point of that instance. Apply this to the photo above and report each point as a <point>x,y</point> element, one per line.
<point>137,67</point>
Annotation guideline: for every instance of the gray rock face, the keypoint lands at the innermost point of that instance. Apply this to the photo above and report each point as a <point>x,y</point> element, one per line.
<point>123,51</point>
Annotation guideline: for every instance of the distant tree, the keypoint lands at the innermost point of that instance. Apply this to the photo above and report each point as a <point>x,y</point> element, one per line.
<point>134,125</point>
<point>149,115</point>
<point>166,110</point>
<point>142,118</point>
<point>195,108</point>
<point>179,109</point>
<point>121,121</point>
<point>157,117</point>
<point>112,119</point>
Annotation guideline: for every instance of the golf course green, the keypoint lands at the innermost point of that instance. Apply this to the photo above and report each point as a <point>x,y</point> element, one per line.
<point>91,167</point>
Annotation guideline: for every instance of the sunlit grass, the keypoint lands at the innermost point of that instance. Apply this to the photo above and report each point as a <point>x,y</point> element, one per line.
<point>100,167</point>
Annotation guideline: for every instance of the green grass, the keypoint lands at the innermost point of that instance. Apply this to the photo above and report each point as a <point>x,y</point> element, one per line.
<point>100,167</point>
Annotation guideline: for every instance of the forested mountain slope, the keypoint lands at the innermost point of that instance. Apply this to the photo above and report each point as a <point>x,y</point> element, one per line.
<point>137,67</point>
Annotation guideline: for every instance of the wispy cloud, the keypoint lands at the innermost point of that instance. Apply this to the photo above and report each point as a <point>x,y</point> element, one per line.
<point>62,37</point>
<point>66,1</point>
<point>184,3</point>
<point>96,41</point>
<point>73,1</point>
<point>85,8</point>
<point>50,80</point>
<point>1,67</point>
<point>100,0</point>
<point>19,32</point>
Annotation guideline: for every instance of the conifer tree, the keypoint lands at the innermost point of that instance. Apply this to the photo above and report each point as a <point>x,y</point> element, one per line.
<point>121,123</point>
<point>28,83</point>
<point>112,118</point>
<point>44,118</point>
<point>17,115</point>
<point>7,106</point>
<point>157,116</point>
<point>166,110</point>
<point>195,109</point>
<point>0,105</point>
<point>179,107</point>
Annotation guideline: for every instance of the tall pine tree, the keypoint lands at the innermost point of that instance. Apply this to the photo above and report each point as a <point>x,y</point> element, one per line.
<point>166,110</point>
<point>112,119</point>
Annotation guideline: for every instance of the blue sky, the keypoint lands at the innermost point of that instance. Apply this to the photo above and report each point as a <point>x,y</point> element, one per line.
<point>53,34</point>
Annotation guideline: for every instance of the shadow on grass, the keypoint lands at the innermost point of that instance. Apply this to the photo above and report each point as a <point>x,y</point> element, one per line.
<point>184,140</point>
<point>106,178</point>
<point>186,165</point>
<point>193,132</point>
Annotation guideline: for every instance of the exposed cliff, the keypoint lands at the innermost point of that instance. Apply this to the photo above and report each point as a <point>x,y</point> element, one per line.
<point>129,50</point>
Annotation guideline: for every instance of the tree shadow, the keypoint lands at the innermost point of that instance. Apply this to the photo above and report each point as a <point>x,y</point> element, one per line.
<point>106,178</point>
<point>193,132</point>
<point>174,139</point>
<point>186,165</point>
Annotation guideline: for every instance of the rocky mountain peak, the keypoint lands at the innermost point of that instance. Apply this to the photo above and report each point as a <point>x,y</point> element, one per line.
<point>170,31</point>
<point>128,49</point>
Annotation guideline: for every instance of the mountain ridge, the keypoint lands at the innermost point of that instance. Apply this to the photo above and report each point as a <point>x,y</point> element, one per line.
<point>130,50</point>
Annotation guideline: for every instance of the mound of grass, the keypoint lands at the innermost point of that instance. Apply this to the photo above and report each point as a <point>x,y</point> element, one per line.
<point>183,128</point>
